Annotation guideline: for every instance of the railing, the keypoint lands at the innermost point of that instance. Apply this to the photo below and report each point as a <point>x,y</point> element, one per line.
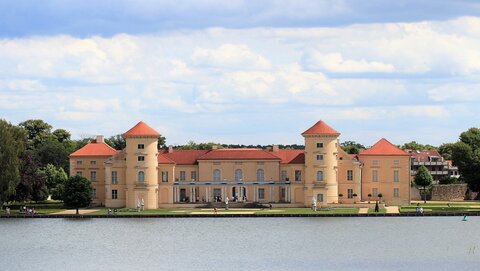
<point>428,163</point>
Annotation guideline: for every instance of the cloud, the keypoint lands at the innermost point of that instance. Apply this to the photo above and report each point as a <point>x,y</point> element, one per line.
<point>334,62</point>
<point>455,93</point>
<point>230,56</point>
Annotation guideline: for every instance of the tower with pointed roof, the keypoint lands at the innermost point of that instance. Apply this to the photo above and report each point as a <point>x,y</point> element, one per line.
<point>141,174</point>
<point>321,144</point>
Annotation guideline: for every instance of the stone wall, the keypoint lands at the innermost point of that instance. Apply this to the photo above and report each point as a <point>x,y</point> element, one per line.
<point>447,192</point>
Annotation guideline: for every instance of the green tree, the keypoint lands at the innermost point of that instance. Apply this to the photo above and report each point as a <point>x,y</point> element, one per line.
<point>424,179</point>
<point>36,130</point>
<point>12,145</point>
<point>52,152</point>
<point>117,142</point>
<point>62,135</point>
<point>32,185</point>
<point>352,147</point>
<point>466,156</point>
<point>77,192</point>
<point>446,150</point>
<point>413,145</point>
<point>449,180</point>
<point>55,177</point>
<point>162,143</point>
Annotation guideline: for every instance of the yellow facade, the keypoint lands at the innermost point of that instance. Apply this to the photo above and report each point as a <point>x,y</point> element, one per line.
<point>141,176</point>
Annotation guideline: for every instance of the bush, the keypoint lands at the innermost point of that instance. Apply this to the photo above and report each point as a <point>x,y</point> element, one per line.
<point>449,180</point>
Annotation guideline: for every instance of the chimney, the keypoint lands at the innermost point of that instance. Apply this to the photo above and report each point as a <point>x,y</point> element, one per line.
<point>99,139</point>
<point>275,148</point>
<point>170,148</point>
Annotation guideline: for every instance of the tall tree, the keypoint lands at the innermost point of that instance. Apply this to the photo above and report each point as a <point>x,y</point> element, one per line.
<point>77,192</point>
<point>32,184</point>
<point>12,144</point>
<point>36,130</point>
<point>466,156</point>
<point>352,147</point>
<point>55,177</point>
<point>446,150</point>
<point>424,179</point>
<point>62,135</point>
<point>52,152</point>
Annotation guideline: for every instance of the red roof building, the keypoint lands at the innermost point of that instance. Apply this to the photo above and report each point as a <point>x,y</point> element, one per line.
<point>95,149</point>
<point>141,129</point>
<point>384,147</point>
<point>321,128</point>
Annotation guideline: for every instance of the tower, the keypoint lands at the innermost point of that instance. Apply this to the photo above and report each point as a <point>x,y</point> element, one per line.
<point>141,166</point>
<point>321,144</point>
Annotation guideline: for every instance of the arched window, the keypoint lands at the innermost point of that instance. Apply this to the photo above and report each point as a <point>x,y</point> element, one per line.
<point>216,175</point>
<point>260,175</point>
<point>319,176</point>
<point>238,175</point>
<point>141,177</point>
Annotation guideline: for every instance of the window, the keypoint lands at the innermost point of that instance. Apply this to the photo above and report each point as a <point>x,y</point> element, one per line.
<point>165,176</point>
<point>217,175</point>
<point>319,145</point>
<point>349,175</point>
<point>320,157</point>
<point>396,193</point>
<point>261,193</point>
<point>114,194</point>
<point>238,175</point>
<point>298,175</point>
<point>93,176</point>
<point>396,162</point>
<point>283,175</point>
<point>141,158</point>
<point>193,174</point>
<point>79,173</point>
<point>94,193</point>
<point>319,176</point>
<point>375,192</point>
<point>79,163</point>
<point>374,176</point>
<point>114,177</point>
<point>93,162</point>
<point>319,197</point>
<point>375,162</point>
<point>141,146</point>
<point>396,176</point>
<point>182,175</point>
<point>260,175</point>
<point>141,177</point>
<point>350,193</point>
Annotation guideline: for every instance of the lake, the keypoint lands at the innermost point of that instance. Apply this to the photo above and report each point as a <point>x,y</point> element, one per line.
<point>332,243</point>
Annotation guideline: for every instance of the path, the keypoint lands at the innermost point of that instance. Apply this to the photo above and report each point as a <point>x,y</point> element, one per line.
<point>363,211</point>
<point>72,212</point>
<point>392,209</point>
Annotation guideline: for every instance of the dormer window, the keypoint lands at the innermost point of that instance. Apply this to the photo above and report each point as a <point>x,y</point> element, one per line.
<point>141,146</point>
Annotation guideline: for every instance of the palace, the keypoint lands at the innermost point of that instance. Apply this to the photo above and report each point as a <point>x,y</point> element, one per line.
<point>169,178</point>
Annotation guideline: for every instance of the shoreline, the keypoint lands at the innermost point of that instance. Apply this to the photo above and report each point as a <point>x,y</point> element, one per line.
<point>240,215</point>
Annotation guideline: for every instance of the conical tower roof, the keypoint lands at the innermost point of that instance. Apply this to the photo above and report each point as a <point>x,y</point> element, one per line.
<point>321,128</point>
<point>141,129</point>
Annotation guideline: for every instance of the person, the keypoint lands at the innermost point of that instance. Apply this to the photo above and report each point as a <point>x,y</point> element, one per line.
<point>270,206</point>
<point>215,210</point>
<point>421,210</point>
<point>7,210</point>
<point>33,211</point>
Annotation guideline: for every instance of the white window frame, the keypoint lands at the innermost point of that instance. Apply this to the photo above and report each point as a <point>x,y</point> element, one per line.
<point>349,175</point>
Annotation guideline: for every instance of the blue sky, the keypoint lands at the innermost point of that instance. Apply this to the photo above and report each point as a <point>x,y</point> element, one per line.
<point>251,72</point>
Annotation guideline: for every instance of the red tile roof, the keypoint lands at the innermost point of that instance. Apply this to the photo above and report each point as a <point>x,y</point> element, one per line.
<point>424,155</point>
<point>95,149</point>
<point>290,156</point>
<point>180,157</point>
<point>141,129</point>
<point>320,128</point>
<point>384,147</point>
<point>238,154</point>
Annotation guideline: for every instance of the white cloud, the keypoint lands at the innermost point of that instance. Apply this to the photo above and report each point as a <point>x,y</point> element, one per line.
<point>230,56</point>
<point>455,92</point>
<point>96,105</point>
<point>334,62</point>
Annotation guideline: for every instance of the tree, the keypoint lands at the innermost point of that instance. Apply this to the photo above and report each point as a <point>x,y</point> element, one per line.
<point>12,144</point>
<point>55,177</point>
<point>446,150</point>
<point>77,192</point>
<point>352,147</point>
<point>162,143</point>
<point>449,180</point>
<point>52,152</point>
<point>424,179</point>
<point>32,184</point>
<point>466,156</point>
<point>36,129</point>
<point>413,145</point>
<point>117,142</point>
<point>62,135</point>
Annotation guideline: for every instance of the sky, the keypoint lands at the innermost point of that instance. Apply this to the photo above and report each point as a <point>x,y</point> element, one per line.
<point>244,72</point>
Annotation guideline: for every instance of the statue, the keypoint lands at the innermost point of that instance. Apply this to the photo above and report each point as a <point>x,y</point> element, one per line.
<point>314,204</point>
<point>226,203</point>
<point>138,205</point>
<point>143,205</point>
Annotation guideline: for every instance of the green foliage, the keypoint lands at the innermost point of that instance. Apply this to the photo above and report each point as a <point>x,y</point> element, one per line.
<point>413,145</point>
<point>55,177</point>
<point>466,155</point>
<point>62,135</point>
<point>352,147</point>
<point>162,141</point>
<point>117,142</point>
<point>52,152</point>
<point>12,145</point>
<point>191,145</point>
<point>37,130</point>
<point>77,192</point>
<point>423,177</point>
<point>446,150</point>
<point>32,184</point>
<point>449,180</point>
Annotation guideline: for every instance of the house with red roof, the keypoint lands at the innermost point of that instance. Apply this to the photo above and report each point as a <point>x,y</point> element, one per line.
<point>141,176</point>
